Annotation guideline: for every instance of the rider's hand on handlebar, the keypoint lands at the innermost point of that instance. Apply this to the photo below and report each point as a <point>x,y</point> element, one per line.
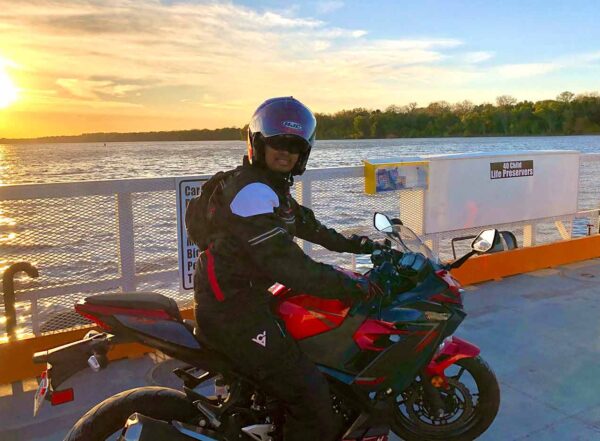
<point>386,254</point>
<point>365,245</point>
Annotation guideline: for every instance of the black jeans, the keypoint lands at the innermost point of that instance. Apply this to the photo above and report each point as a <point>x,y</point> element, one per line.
<point>260,346</point>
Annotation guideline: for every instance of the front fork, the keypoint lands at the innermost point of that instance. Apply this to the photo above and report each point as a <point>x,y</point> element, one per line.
<point>450,351</point>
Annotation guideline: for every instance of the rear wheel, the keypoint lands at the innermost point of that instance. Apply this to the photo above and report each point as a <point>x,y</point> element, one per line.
<point>106,419</point>
<point>471,403</point>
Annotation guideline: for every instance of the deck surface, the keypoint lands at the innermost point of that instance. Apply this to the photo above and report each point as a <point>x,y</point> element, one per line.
<point>540,332</point>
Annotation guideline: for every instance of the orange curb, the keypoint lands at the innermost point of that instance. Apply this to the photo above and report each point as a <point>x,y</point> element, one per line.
<point>524,260</point>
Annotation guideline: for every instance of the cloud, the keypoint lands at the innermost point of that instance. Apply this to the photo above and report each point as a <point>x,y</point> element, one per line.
<point>97,88</point>
<point>271,19</point>
<point>160,58</point>
<point>591,57</point>
<point>326,7</point>
<point>513,71</point>
<point>128,50</point>
<point>477,57</point>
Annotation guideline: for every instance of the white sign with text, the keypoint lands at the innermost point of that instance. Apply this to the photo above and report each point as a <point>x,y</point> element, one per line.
<point>187,188</point>
<point>470,190</point>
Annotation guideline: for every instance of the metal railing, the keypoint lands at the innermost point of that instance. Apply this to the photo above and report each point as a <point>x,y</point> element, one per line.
<point>120,235</point>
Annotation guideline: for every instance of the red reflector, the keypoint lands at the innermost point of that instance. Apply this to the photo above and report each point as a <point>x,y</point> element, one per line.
<point>62,396</point>
<point>94,319</point>
<point>365,381</point>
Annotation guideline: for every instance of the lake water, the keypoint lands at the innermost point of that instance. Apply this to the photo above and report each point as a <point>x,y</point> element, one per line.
<point>72,240</point>
<point>43,163</point>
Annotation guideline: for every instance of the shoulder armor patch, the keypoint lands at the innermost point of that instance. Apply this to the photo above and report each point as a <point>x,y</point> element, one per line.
<point>253,199</point>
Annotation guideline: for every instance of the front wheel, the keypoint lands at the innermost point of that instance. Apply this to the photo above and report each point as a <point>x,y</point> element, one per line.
<point>471,403</point>
<point>106,419</point>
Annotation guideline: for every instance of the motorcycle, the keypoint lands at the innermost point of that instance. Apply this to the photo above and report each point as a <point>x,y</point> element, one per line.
<point>392,362</point>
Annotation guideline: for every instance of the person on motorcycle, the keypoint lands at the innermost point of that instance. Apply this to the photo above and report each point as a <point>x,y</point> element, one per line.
<point>250,247</point>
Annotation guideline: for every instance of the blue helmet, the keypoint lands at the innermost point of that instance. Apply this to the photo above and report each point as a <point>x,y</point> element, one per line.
<point>283,119</point>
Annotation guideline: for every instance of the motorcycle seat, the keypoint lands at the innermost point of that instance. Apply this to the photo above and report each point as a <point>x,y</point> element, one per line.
<point>137,300</point>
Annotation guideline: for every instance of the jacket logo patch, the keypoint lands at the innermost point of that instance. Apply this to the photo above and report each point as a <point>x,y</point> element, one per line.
<point>261,339</point>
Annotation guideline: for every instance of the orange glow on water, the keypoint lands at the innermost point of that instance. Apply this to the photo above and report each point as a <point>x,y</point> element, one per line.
<point>9,236</point>
<point>3,167</point>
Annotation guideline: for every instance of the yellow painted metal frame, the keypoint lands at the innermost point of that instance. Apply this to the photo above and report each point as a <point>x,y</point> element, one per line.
<point>15,357</point>
<point>371,171</point>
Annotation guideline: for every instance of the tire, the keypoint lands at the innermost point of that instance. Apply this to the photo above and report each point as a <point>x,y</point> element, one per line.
<point>481,418</point>
<point>110,416</point>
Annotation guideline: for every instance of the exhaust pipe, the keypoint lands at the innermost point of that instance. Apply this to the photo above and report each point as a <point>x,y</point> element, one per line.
<point>142,428</point>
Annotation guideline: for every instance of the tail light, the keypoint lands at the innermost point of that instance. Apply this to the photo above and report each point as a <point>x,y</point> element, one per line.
<point>80,309</point>
<point>62,396</point>
<point>99,313</point>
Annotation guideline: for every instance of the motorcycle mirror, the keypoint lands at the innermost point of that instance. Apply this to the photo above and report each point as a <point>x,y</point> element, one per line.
<point>382,223</point>
<point>485,241</point>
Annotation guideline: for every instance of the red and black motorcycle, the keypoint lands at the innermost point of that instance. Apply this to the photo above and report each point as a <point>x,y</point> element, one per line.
<point>392,362</point>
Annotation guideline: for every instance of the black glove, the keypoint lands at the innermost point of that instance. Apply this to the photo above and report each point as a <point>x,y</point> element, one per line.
<point>364,244</point>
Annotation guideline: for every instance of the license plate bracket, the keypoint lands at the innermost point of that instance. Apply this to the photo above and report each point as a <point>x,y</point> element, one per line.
<point>44,387</point>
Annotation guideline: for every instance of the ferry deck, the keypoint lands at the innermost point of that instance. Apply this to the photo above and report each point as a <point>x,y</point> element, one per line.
<point>539,331</point>
<point>533,310</point>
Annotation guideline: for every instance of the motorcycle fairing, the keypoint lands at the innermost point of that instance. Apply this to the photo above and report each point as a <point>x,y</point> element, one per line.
<point>453,293</point>
<point>453,350</point>
<point>340,376</point>
<point>306,316</point>
<point>335,349</point>
<point>102,308</point>
<point>379,353</point>
<point>153,322</point>
<point>400,363</point>
<point>375,335</point>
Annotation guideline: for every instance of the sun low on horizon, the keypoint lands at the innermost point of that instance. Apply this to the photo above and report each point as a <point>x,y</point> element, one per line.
<point>68,68</point>
<point>9,92</point>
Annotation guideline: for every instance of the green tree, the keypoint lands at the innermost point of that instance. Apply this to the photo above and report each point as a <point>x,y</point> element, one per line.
<point>361,127</point>
<point>565,97</point>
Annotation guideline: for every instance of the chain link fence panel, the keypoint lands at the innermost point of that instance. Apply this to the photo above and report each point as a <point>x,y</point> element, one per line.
<point>155,231</point>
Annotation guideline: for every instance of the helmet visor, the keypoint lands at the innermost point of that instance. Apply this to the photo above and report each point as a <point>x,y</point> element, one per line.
<point>289,143</point>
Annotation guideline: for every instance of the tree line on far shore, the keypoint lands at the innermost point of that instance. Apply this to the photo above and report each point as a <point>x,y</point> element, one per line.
<point>568,114</point>
<point>225,134</point>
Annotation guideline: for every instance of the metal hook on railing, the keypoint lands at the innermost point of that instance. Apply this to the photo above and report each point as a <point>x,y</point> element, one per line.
<point>8,285</point>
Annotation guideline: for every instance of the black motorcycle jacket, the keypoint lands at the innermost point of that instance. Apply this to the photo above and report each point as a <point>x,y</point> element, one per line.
<point>251,246</point>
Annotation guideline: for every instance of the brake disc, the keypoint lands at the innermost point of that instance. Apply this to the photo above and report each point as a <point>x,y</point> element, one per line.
<point>456,413</point>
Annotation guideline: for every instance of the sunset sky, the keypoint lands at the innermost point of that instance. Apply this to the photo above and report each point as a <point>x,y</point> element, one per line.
<point>140,65</point>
